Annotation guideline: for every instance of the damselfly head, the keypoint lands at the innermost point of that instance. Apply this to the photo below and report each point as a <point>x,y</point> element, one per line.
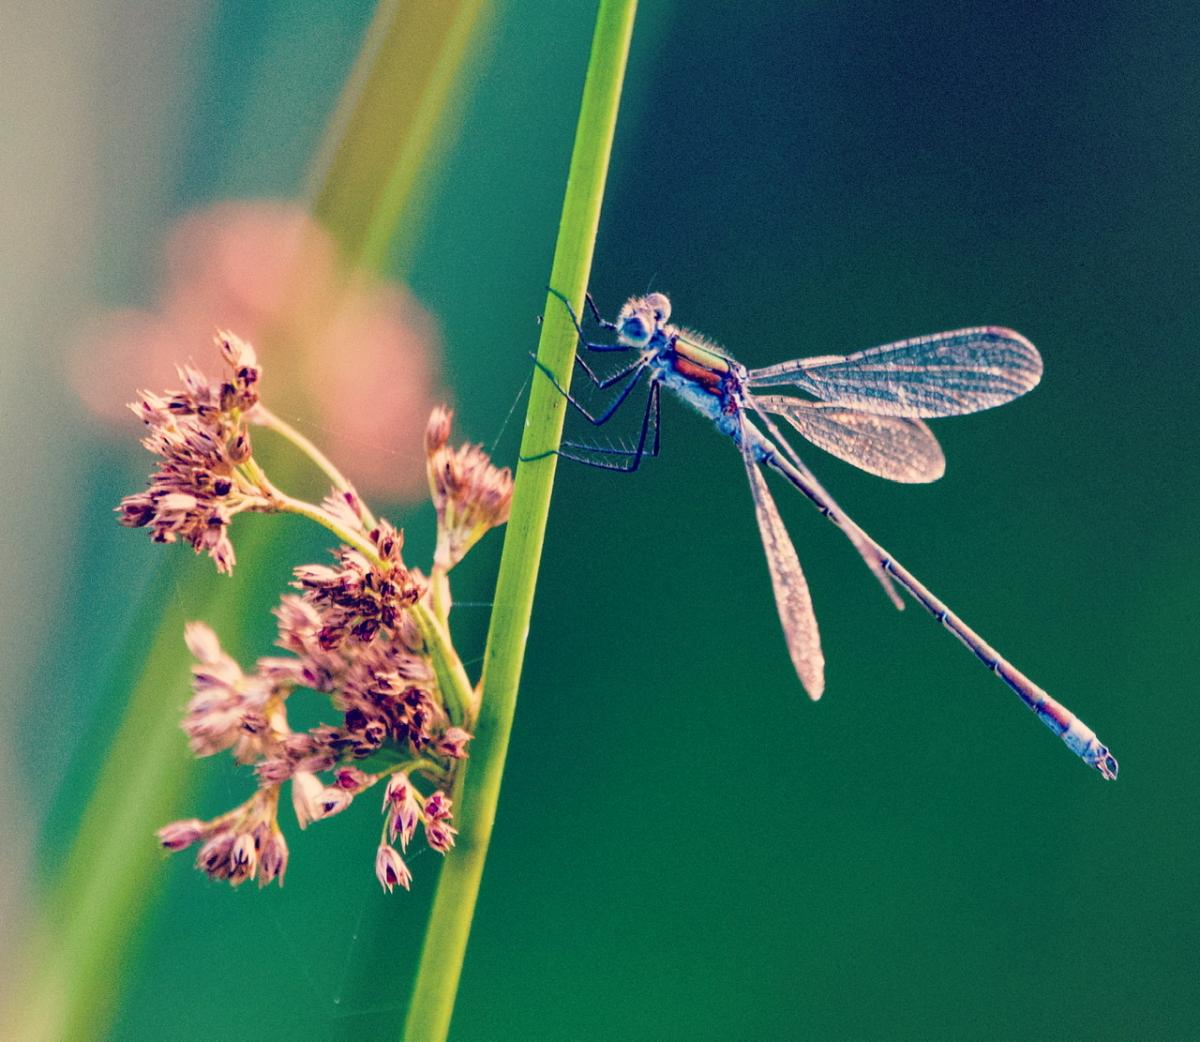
<point>641,317</point>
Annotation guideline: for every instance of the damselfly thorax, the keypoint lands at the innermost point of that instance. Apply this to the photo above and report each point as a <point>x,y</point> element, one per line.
<point>696,370</point>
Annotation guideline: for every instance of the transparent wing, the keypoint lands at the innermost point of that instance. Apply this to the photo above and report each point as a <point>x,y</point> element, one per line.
<point>791,589</point>
<point>945,374</point>
<point>892,447</point>
<point>825,502</point>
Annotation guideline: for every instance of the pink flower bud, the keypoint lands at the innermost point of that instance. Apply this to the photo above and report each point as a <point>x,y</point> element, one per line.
<point>351,779</point>
<point>272,858</point>
<point>243,859</point>
<point>454,743</point>
<point>390,869</point>
<point>437,432</point>
<point>202,642</point>
<point>334,801</point>
<point>239,447</point>
<point>437,806</point>
<point>397,790</point>
<point>237,353</point>
<point>306,795</point>
<point>181,834</point>
<point>440,835</point>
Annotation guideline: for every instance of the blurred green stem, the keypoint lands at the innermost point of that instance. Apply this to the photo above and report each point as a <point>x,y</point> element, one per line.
<point>478,788</point>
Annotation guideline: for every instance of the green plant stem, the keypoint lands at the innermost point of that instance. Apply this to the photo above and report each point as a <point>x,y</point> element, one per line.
<point>451,676</point>
<point>289,505</point>
<point>478,790</point>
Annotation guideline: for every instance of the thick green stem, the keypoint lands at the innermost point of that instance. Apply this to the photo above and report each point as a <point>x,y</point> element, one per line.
<point>478,788</point>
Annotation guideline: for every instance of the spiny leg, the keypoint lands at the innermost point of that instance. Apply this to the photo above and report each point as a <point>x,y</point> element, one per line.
<point>602,383</point>
<point>649,416</point>
<point>602,322</point>
<point>634,372</point>
<point>639,451</point>
<point>572,450</point>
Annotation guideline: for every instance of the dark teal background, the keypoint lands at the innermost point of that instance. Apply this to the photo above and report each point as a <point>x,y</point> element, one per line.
<point>687,848</point>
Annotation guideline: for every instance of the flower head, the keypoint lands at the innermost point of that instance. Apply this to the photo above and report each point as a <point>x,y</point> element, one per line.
<point>313,665</point>
<point>356,598</point>
<point>228,709</point>
<point>453,743</point>
<point>362,632</point>
<point>181,834</point>
<point>400,802</point>
<point>437,807</point>
<point>405,809</point>
<point>470,495</point>
<point>379,706</point>
<point>243,844</point>
<point>200,433</point>
<point>440,835</point>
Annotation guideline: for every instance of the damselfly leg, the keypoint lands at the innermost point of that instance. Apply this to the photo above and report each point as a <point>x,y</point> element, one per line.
<point>602,322</point>
<point>580,452</point>
<point>574,450</point>
<point>634,373</point>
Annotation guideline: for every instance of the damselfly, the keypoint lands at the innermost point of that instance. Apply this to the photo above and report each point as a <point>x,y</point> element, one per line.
<point>865,408</point>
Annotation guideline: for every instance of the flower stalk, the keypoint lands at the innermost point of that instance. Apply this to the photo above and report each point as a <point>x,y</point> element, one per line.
<point>366,632</point>
<point>478,787</point>
<point>266,418</point>
<point>431,619</point>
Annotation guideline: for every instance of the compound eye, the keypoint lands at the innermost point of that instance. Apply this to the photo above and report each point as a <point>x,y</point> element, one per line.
<point>634,331</point>
<point>660,306</point>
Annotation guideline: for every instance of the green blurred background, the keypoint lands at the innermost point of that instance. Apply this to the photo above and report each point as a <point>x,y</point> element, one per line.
<point>686,847</point>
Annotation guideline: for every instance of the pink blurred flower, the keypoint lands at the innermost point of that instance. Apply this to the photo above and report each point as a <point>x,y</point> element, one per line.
<point>354,360</point>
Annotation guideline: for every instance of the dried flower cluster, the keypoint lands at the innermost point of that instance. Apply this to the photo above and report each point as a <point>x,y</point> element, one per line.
<point>364,632</point>
<point>204,478</point>
<point>470,495</point>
